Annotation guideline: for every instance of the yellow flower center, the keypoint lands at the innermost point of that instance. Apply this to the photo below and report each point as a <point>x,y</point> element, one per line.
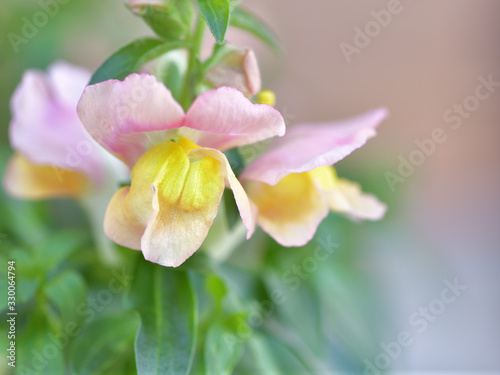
<point>182,178</point>
<point>325,177</point>
<point>293,196</point>
<point>170,205</point>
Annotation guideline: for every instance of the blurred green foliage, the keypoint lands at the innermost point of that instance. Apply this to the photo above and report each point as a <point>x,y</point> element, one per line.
<point>292,310</point>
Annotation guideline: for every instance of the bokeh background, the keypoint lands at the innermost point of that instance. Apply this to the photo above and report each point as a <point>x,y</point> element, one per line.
<point>443,219</point>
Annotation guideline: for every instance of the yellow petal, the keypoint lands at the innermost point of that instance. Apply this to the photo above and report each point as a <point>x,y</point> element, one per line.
<point>187,144</point>
<point>291,210</point>
<point>325,177</point>
<point>350,200</point>
<point>345,197</point>
<point>177,229</point>
<point>122,223</point>
<point>247,209</point>
<point>170,205</point>
<point>26,180</point>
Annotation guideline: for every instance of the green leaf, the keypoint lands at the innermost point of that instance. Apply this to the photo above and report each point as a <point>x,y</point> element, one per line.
<point>235,160</point>
<point>166,303</point>
<point>173,21</point>
<point>270,356</point>
<point>40,350</point>
<point>300,309</point>
<point>58,247</point>
<point>232,212</point>
<point>348,308</point>
<point>244,20</point>
<point>103,343</point>
<point>237,164</point>
<point>216,287</point>
<point>262,355</point>
<point>66,291</point>
<point>216,14</point>
<point>222,350</point>
<point>130,58</point>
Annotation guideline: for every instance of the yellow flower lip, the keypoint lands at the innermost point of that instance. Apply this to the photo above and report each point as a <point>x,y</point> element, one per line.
<point>169,165</point>
<point>171,203</point>
<point>291,210</point>
<point>186,144</point>
<point>26,180</point>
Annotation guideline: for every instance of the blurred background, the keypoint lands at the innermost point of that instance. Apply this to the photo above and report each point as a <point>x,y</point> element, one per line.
<point>420,59</point>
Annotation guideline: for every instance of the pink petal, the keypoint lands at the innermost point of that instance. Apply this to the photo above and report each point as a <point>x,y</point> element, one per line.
<point>252,72</point>
<point>129,117</point>
<point>307,146</point>
<point>45,126</point>
<point>67,82</point>
<point>225,119</point>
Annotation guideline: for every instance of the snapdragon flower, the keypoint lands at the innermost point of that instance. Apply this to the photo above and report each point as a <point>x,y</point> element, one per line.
<point>294,185</point>
<point>178,169</point>
<point>55,157</point>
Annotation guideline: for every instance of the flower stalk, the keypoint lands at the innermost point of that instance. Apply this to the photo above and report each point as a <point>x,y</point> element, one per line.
<point>192,75</point>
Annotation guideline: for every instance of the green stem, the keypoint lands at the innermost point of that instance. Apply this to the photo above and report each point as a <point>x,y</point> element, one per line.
<point>302,351</point>
<point>195,43</point>
<point>42,301</point>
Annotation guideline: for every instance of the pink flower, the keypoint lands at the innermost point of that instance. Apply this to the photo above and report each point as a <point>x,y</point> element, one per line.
<point>294,187</point>
<point>178,170</point>
<point>55,156</point>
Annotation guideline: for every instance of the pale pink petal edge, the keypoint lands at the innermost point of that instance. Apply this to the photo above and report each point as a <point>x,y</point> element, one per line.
<point>275,164</point>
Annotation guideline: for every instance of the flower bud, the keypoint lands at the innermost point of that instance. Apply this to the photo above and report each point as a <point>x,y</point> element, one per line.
<point>266,97</point>
<point>169,19</point>
<point>238,68</point>
<point>137,6</point>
